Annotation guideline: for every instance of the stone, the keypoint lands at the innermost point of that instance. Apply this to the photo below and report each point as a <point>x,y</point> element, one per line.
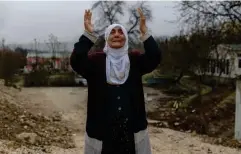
<point>27,137</point>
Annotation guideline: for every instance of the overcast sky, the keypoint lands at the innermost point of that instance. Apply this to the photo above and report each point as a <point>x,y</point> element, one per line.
<point>21,22</point>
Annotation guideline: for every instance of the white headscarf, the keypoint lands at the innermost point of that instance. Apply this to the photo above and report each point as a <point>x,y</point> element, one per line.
<point>117,60</point>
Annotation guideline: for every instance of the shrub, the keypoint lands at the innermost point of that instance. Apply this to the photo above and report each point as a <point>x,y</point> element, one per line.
<point>36,78</point>
<point>45,78</point>
<point>63,80</point>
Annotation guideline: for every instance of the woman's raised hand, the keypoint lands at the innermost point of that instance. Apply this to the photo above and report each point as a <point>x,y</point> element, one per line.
<point>87,21</point>
<point>143,28</point>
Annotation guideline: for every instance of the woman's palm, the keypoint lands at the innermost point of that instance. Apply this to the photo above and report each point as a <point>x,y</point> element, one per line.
<point>143,27</point>
<point>87,21</point>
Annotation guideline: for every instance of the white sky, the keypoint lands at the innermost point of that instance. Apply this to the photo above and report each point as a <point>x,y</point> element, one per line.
<point>21,22</point>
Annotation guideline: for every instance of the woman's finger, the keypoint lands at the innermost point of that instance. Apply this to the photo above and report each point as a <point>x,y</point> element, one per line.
<point>90,16</point>
<point>85,16</point>
<point>140,12</point>
<point>88,13</point>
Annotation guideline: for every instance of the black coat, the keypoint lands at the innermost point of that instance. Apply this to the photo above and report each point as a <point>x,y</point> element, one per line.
<point>93,68</point>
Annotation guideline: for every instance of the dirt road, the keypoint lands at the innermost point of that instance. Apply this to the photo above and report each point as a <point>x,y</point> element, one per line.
<point>71,104</point>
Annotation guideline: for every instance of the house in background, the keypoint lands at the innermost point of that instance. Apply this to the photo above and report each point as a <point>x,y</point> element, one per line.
<point>225,61</point>
<point>61,60</point>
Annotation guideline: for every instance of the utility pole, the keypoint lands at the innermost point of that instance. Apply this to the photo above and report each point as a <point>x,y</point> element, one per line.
<point>3,43</point>
<point>36,53</point>
<point>238,111</point>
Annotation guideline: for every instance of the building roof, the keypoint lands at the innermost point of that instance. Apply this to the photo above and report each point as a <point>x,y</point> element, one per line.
<point>44,54</point>
<point>233,47</point>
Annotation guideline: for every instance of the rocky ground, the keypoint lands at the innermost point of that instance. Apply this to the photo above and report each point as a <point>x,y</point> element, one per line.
<point>213,116</point>
<point>52,120</point>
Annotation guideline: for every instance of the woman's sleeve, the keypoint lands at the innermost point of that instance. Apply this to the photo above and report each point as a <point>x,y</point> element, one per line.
<point>79,59</point>
<point>152,56</point>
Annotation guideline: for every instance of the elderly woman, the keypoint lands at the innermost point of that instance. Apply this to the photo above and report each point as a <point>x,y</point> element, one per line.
<point>116,117</point>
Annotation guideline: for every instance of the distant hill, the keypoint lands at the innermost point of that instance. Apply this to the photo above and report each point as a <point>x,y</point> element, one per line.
<point>43,46</point>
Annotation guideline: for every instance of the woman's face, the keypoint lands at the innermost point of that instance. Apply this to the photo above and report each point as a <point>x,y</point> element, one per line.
<point>116,38</point>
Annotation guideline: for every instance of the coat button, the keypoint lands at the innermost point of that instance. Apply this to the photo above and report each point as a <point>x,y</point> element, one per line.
<point>118,97</point>
<point>119,108</point>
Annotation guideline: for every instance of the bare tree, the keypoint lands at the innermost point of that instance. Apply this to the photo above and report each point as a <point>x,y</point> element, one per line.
<point>53,45</point>
<point>208,13</point>
<point>65,56</point>
<point>110,12</point>
<point>36,52</point>
<point>3,43</point>
<point>133,21</point>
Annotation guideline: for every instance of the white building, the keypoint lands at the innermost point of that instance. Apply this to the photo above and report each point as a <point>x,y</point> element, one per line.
<point>226,61</point>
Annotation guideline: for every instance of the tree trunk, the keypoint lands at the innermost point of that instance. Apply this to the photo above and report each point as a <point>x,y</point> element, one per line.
<point>7,82</point>
<point>179,77</point>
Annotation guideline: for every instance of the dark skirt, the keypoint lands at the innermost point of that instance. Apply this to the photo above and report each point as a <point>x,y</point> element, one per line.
<point>119,138</point>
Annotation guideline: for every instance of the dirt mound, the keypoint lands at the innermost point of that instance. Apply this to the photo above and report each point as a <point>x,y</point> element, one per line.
<point>25,128</point>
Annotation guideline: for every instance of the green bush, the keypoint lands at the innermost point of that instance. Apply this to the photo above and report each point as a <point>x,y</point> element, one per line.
<point>66,80</point>
<point>45,78</point>
<point>36,78</point>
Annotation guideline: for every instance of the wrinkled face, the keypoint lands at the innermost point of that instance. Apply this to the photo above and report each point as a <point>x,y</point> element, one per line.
<point>116,38</point>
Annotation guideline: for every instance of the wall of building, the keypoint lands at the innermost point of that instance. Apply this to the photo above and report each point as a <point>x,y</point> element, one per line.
<point>233,58</point>
<point>43,57</point>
